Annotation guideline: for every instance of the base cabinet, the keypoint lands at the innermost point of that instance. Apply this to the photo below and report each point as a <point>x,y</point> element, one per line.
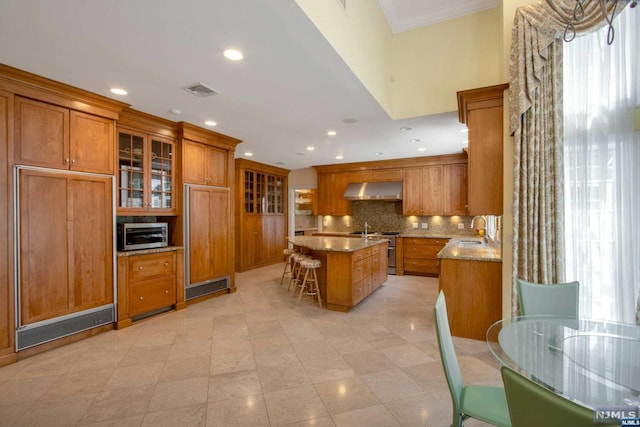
<point>420,255</point>
<point>148,282</point>
<point>473,290</point>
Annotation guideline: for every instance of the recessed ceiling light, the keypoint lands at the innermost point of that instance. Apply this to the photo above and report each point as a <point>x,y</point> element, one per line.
<point>210,123</point>
<point>379,153</point>
<point>175,111</point>
<point>118,91</point>
<point>405,128</point>
<point>422,149</point>
<point>310,148</point>
<point>415,140</point>
<point>332,133</point>
<point>248,154</point>
<point>339,157</point>
<point>233,54</point>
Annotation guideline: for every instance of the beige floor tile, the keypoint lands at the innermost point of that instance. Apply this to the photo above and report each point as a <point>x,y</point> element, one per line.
<point>226,345</point>
<point>157,337</point>
<point>25,390</point>
<point>430,376</point>
<point>135,375</point>
<point>421,410</point>
<point>279,356</point>
<point>79,383</point>
<point>189,349</point>
<point>345,395</point>
<point>350,345</point>
<point>233,385</point>
<point>327,369</point>
<point>373,416</point>
<point>232,362</point>
<point>182,369</point>
<point>134,421</point>
<point>269,342</point>
<point>274,378</point>
<point>294,405</point>
<point>315,350</point>
<point>366,362</point>
<point>406,355</point>
<point>118,404</point>
<point>391,385</point>
<point>179,394</point>
<point>239,412</point>
<point>63,411</point>
<point>9,413</point>
<point>144,355</point>
<point>190,416</point>
<point>315,422</point>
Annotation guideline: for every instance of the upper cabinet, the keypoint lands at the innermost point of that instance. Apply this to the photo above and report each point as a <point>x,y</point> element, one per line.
<point>206,165</point>
<point>146,165</point>
<point>437,189</point>
<point>331,188</point>
<point>481,110</point>
<point>375,175</point>
<point>55,137</point>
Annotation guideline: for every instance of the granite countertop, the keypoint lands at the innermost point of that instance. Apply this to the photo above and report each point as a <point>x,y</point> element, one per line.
<point>149,251</point>
<point>334,243</point>
<point>306,229</point>
<point>475,252</point>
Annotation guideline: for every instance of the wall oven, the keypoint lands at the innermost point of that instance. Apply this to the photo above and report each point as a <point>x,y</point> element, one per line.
<point>134,236</point>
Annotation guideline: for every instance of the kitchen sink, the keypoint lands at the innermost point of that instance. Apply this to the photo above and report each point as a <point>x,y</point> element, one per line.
<point>470,242</point>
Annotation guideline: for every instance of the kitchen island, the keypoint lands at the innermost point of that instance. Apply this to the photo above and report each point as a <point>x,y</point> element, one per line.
<point>352,268</point>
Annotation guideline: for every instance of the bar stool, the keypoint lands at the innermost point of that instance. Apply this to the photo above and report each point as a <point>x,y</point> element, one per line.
<point>310,282</point>
<point>296,270</point>
<point>288,265</point>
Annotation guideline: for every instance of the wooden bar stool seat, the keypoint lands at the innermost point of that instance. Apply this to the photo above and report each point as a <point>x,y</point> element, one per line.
<point>310,281</point>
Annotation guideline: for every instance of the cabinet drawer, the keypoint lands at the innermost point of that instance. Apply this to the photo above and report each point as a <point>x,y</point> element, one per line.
<point>358,271</point>
<point>366,267</point>
<point>428,252</point>
<point>358,256</point>
<point>145,267</point>
<point>375,250</point>
<point>358,292</point>
<point>426,266</point>
<point>424,242</point>
<point>152,295</point>
<point>367,286</point>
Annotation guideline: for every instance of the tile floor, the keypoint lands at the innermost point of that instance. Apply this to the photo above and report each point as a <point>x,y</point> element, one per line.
<point>253,358</point>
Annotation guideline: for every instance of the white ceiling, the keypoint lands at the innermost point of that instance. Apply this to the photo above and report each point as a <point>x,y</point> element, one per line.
<point>290,89</point>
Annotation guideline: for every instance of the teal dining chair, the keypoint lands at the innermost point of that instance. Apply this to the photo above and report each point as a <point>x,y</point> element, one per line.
<point>557,299</point>
<point>531,405</point>
<point>484,403</point>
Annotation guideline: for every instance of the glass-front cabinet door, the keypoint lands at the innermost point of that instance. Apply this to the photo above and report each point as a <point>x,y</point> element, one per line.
<point>145,173</point>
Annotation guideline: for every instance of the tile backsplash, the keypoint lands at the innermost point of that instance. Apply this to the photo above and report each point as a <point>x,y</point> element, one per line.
<point>387,216</point>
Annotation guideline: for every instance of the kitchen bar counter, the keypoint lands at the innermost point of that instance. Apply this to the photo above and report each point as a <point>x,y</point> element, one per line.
<point>351,268</point>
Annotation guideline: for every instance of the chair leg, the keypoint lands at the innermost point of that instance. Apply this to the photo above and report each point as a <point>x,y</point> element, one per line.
<point>315,282</point>
<point>304,284</point>
<point>292,277</point>
<point>287,266</point>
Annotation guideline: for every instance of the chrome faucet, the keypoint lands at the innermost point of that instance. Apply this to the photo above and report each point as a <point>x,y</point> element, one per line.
<point>482,217</point>
<point>366,230</point>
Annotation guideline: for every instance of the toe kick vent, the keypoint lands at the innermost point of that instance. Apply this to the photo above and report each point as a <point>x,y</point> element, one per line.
<point>206,288</point>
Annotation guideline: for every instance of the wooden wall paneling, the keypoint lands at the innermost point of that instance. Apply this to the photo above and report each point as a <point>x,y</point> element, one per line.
<point>7,336</point>
<point>92,143</point>
<point>200,251</point>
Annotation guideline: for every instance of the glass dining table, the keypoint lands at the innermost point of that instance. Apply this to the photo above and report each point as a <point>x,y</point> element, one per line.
<point>594,363</point>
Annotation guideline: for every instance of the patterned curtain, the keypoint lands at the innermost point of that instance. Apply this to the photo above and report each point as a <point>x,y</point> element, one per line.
<point>535,96</point>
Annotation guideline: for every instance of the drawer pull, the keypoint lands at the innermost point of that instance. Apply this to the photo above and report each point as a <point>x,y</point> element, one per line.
<point>141,298</point>
<point>166,263</point>
<point>140,268</point>
<point>166,291</point>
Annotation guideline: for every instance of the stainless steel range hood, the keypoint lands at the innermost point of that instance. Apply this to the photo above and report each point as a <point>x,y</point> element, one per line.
<point>391,190</point>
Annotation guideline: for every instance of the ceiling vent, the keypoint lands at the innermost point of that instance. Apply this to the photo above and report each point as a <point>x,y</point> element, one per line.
<point>201,90</point>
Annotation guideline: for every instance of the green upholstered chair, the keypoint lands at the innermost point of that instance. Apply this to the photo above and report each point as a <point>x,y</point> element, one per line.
<point>558,299</point>
<point>531,405</point>
<point>483,403</point>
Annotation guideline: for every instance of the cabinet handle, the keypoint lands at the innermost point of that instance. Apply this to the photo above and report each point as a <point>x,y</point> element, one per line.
<point>166,263</point>
<point>73,161</point>
<point>66,160</point>
<point>140,268</point>
<point>141,298</point>
<point>166,291</point>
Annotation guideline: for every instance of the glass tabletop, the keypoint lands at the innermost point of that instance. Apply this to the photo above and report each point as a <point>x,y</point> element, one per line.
<point>592,362</point>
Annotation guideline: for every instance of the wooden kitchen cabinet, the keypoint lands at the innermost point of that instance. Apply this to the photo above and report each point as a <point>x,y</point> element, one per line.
<point>205,165</point>
<point>420,255</point>
<point>455,189</point>
<point>482,111</point>
<point>66,244</point>
<point>261,210</point>
<point>147,283</point>
<point>375,175</point>
<point>422,191</point>
<point>55,137</point>
<point>146,179</point>
<point>331,188</point>
<point>473,290</point>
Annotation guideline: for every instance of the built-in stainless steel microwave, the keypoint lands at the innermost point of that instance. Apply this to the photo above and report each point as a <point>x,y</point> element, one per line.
<point>133,236</point>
